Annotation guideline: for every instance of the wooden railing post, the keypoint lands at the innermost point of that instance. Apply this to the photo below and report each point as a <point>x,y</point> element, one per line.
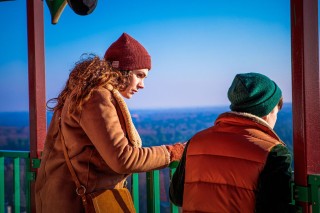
<point>153,191</point>
<point>36,77</point>
<point>135,190</point>
<point>305,90</point>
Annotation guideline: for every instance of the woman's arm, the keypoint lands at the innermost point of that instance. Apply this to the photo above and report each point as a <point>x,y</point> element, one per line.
<point>100,121</point>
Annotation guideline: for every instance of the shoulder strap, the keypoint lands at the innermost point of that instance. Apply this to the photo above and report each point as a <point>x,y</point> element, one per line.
<point>80,190</point>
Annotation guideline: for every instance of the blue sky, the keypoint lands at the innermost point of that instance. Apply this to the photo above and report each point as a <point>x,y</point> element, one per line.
<point>197,47</point>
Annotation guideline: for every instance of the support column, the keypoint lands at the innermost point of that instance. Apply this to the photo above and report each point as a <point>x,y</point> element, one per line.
<point>305,91</point>
<point>36,77</point>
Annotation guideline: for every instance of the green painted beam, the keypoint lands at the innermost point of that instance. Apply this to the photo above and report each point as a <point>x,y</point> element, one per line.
<point>173,166</point>
<point>2,201</point>
<point>14,154</point>
<point>153,192</point>
<point>16,172</point>
<point>135,190</point>
<point>156,188</point>
<point>28,185</point>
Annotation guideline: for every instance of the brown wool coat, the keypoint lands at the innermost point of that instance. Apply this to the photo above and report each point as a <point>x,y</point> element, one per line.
<point>99,151</point>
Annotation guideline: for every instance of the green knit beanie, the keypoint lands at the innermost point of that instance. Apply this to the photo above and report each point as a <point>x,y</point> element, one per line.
<point>253,93</point>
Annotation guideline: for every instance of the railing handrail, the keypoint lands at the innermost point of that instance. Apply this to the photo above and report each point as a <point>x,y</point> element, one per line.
<point>14,154</point>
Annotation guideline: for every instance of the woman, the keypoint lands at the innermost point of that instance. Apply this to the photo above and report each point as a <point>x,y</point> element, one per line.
<point>96,127</point>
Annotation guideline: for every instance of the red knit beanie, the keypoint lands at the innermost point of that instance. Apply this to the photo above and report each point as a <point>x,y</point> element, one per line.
<point>126,53</point>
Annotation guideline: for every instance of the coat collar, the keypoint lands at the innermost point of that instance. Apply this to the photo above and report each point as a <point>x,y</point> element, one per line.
<point>133,134</point>
<point>249,119</point>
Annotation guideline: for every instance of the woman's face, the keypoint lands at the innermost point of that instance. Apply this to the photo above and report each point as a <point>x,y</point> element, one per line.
<point>136,82</point>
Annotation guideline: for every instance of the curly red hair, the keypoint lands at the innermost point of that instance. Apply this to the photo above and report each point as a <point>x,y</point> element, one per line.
<point>89,73</point>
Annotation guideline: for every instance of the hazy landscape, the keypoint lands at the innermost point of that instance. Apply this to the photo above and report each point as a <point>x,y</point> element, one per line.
<point>156,127</point>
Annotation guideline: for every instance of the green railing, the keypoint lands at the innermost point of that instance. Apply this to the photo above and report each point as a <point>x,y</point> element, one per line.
<point>18,162</point>
<point>153,190</point>
<point>16,158</point>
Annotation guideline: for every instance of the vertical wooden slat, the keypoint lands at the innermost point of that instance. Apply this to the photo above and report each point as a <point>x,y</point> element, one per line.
<point>305,90</point>
<point>17,192</point>
<point>28,184</point>
<point>135,191</point>
<point>153,191</point>
<point>36,77</point>
<point>2,201</point>
<point>173,166</point>
<point>156,191</point>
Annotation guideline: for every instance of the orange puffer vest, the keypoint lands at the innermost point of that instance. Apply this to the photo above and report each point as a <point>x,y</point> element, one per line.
<point>224,162</point>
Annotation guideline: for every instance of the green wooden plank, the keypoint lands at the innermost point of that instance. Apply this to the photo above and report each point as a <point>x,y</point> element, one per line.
<point>14,154</point>
<point>174,208</point>
<point>2,201</point>
<point>156,190</point>
<point>150,207</point>
<point>28,186</point>
<point>16,171</point>
<point>135,191</point>
<point>174,164</point>
<point>153,191</point>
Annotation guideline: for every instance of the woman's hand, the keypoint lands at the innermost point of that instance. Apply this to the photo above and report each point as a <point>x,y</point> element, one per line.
<point>176,151</point>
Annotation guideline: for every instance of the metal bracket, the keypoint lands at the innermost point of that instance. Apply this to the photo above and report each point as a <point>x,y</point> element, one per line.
<point>314,181</point>
<point>309,194</point>
<point>302,193</point>
<point>31,176</point>
<point>35,162</point>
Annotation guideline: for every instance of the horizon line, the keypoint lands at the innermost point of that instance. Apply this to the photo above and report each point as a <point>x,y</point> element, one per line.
<point>154,108</point>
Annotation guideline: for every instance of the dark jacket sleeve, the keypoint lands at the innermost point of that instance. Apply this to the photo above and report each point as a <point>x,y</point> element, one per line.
<point>177,181</point>
<point>274,191</point>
